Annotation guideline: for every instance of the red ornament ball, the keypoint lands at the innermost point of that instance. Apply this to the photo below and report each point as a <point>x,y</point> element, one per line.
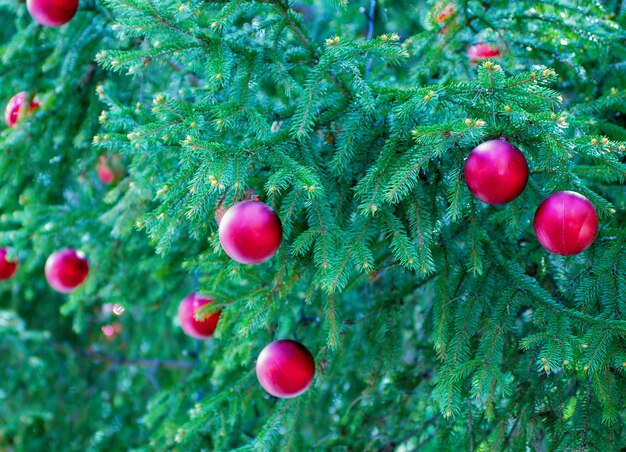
<point>7,268</point>
<point>566,223</point>
<point>200,329</point>
<point>108,169</point>
<point>250,232</point>
<point>15,108</point>
<point>52,13</point>
<point>496,172</point>
<point>66,270</point>
<point>105,173</point>
<point>483,52</point>
<point>112,330</point>
<point>285,368</point>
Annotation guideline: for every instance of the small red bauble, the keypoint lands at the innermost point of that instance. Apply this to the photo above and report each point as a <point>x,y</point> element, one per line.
<point>7,268</point>
<point>112,330</point>
<point>250,232</point>
<point>496,172</point>
<point>285,368</point>
<point>14,109</point>
<point>66,270</point>
<point>483,52</point>
<point>106,173</point>
<point>187,310</point>
<point>52,13</point>
<point>566,223</point>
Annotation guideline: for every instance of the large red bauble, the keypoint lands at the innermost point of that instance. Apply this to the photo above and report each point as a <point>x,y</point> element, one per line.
<point>14,111</point>
<point>496,172</point>
<point>483,52</point>
<point>187,309</point>
<point>285,368</point>
<point>250,232</point>
<point>52,13</point>
<point>66,270</point>
<point>566,223</point>
<point>7,268</point>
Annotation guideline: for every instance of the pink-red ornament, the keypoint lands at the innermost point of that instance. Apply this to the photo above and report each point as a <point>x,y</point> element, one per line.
<point>52,13</point>
<point>112,330</point>
<point>187,309</point>
<point>105,173</point>
<point>285,368</point>
<point>483,52</point>
<point>66,270</point>
<point>16,108</point>
<point>109,169</point>
<point>496,172</point>
<point>566,223</point>
<point>7,267</point>
<point>250,232</point>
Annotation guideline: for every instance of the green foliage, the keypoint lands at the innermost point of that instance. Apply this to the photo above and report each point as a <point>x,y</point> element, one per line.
<point>436,321</point>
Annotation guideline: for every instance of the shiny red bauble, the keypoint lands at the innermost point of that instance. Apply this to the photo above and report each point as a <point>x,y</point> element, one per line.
<point>250,232</point>
<point>111,331</point>
<point>483,52</point>
<point>52,13</point>
<point>66,270</point>
<point>566,223</point>
<point>285,368</point>
<point>187,310</point>
<point>109,169</point>
<point>7,268</point>
<point>15,108</point>
<point>105,173</point>
<point>496,172</point>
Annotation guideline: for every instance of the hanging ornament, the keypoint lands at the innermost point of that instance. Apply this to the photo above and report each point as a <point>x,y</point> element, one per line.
<point>7,267</point>
<point>496,172</point>
<point>566,223</point>
<point>250,232</point>
<point>52,13</point>
<point>285,368</point>
<point>15,108</point>
<point>483,52</point>
<point>109,169</point>
<point>200,329</point>
<point>112,330</point>
<point>66,270</point>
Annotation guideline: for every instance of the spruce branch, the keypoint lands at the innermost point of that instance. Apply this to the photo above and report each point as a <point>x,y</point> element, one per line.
<point>299,33</point>
<point>527,283</point>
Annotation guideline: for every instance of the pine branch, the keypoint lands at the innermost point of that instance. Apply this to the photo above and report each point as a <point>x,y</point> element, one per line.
<point>284,12</point>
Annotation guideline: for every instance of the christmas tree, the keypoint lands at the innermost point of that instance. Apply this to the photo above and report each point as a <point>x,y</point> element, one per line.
<point>333,225</point>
